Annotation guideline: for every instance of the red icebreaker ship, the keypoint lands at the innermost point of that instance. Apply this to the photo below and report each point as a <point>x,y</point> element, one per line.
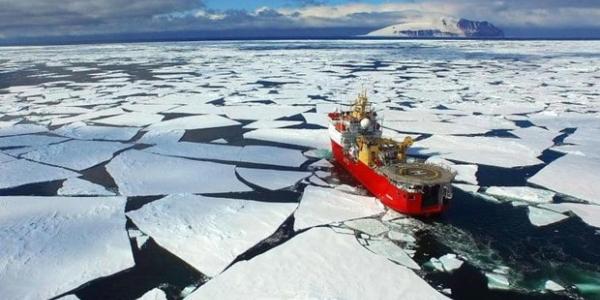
<point>382,166</point>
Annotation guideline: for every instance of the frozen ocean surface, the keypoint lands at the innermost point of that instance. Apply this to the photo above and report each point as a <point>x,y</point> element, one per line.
<point>218,156</point>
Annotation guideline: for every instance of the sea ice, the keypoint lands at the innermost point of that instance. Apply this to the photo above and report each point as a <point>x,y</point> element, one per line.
<point>209,233</point>
<point>80,187</point>
<point>371,227</point>
<point>20,172</point>
<point>153,137</point>
<point>311,265</point>
<point>392,252</point>
<point>5,158</point>
<point>71,239</point>
<point>464,173</point>
<point>466,187</point>
<point>135,119</point>
<point>271,124</point>
<point>198,150</point>
<point>589,213</point>
<point>262,112</point>
<point>20,129</point>
<point>542,217</point>
<point>75,154</point>
<point>401,237</point>
<point>29,140</point>
<point>553,286</point>
<point>321,206</point>
<point>312,138</point>
<point>450,262</point>
<point>494,151</point>
<point>271,179</point>
<point>193,122</point>
<point>272,156</point>
<point>497,281</point>
<point>154,294</point>
<point>138,173</point>
<point>82,131</point>
<point>573,175</point>
<point>523,193</point>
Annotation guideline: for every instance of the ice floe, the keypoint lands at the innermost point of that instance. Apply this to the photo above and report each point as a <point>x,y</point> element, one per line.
<point>29,140</point>
<point>553,286</point>
<point>20,129</point>
<point>501,152</point>
<point>80,187</point>
<point>497,281</point>
<point>272,156</point>
<point>154,294</point>
<point>82,131</point>
<point>139,173</point>
<point>523,193</point>
<point>446,263</point>
<point>193,122</point>
<point>138,119</point>
<point>271,124</point>
<point>392,252</point>
<point>321,206</point>
<point>311,265</point>
<point>542,217</point>
<point>464,173</point>
<point>75,154</point>
<point>207,232</point>
<point>312,138</point>
<point>271,179</point>
<point>372,227</point>
<point>198,150</point>
<point>73,239</point>
<point>589,213</point>
<point>20,172</point>
<point>573,175</point>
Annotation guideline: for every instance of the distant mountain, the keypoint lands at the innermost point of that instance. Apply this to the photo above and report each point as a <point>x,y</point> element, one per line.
<point>441,27</point>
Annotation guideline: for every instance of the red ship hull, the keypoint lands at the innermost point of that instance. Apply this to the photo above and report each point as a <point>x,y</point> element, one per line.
<point>390,195</point>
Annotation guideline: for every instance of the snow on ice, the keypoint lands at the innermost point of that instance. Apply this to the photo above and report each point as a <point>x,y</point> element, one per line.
<point>80,187</point>
<point>573,175</point>
<point>321,206</point>
<point>271,179</point>
<point>542,217</point>
<point>138,173</point>
<point>524,193</point>
<point>207,232</point>
<point>75,155</point>
<point>52,245</point>
<point>318,263</point>
<point>20,172</point>
<point>312,138</point>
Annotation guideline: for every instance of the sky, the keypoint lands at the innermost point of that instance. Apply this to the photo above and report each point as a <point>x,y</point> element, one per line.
<point>26,20</point>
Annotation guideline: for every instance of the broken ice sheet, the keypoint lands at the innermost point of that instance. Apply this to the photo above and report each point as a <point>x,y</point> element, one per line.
<point>20,129</point>
<point>372,227</point>
<point>573,175</point>
<point>80,187</point>
<point>20,172</point>
<point>272,156</point>
<point>524,193</point>
<point>138,173</point>
<point>493,151</point>
<point>271,179</point>
<point>193,122</point>
<point>321,264</point>
<point>135,119</point>
<point>73,239</point>
<point>29,140</point>
<point>464,173</point>
<point>312,138</point>
<point>205,231</point>
<point>82,131</point>
<point>271,124</point>
<point>497,281</point>
<point>589,213</point>
<point>154,294</point>
<point>392,252</point>
<point>542,217</point>
<point>321,206</point>
<point>75,154</point>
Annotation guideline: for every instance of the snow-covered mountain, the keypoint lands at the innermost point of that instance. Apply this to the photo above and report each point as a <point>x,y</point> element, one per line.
<point>440,27</point>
